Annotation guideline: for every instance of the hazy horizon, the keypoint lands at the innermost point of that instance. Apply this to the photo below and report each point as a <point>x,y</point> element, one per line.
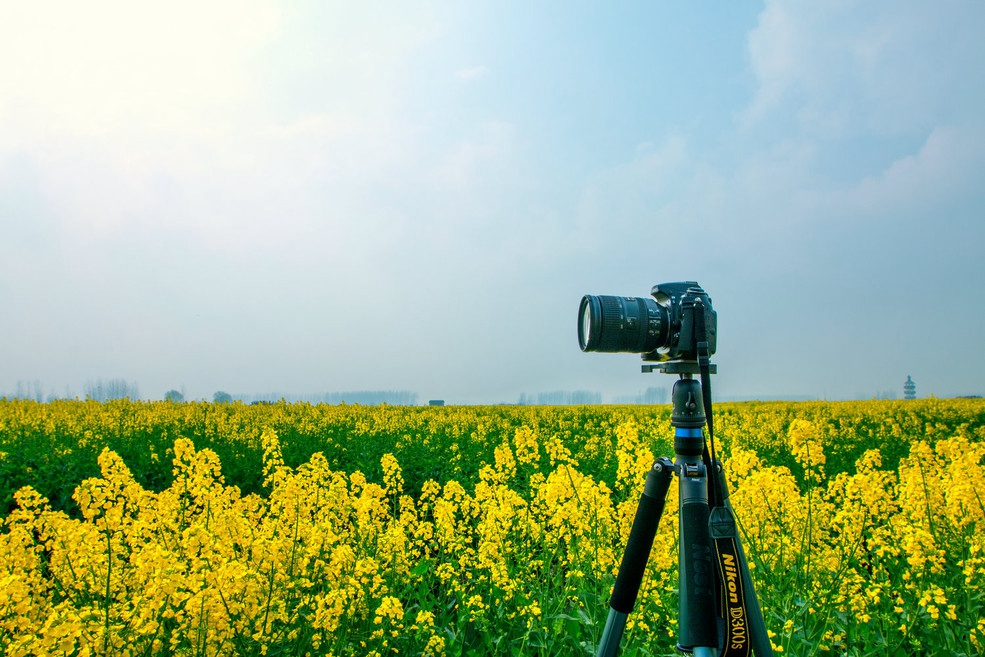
<point>321,197</point>
<point>651,395</point>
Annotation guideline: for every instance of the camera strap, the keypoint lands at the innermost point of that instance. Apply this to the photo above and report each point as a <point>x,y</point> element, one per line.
<point>715,497</point>
<point>731,588</point>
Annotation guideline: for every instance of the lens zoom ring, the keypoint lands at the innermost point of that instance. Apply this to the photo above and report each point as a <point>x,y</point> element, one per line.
<point>620,317</point>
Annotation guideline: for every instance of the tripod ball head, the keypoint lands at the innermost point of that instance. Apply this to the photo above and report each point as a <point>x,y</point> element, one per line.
<point>689,410</point>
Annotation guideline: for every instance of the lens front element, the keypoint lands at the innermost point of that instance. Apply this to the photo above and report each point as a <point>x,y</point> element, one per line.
<point>589,323</point>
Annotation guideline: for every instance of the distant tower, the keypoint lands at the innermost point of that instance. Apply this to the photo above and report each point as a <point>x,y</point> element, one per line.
<point>909,388</point>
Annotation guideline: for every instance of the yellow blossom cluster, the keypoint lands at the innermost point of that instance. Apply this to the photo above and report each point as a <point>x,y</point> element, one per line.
<point>327,563</point>
<point>477,531</point>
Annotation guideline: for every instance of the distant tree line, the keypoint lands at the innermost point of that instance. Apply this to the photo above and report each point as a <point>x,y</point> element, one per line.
<point>580,397</point>
<point>98,390</point>
<point>101,391</point>
<point>651,396</point>
<point>561,398</point>
<point>32,390</point>
<point>362,397</point>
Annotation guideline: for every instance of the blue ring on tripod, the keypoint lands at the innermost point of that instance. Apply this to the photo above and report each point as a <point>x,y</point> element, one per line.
<point>681,432</point>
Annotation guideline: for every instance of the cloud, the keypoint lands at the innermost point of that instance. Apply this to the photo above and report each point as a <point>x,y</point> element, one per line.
<point>851,68</point>
<point>860,113</point>
<point>944,168</point>
<point>469,161</point>
<point>473,73</point>
<point>107,67</point>
<point>164,120</point>
<point>106,97</point>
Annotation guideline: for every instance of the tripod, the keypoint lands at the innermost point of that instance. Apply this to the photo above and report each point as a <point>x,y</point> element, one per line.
<point>719,612</point>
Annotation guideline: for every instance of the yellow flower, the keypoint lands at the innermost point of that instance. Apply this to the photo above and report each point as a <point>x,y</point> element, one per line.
<point>393,479</point>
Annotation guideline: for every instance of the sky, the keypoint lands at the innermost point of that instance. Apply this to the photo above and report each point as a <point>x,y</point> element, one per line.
<point>309,197</point>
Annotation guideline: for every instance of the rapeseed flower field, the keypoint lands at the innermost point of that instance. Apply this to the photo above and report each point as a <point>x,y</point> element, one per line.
<point>139,528</point>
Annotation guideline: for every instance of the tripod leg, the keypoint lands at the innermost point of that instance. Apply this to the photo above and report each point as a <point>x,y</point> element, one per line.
<point>627,586</point>
<point>698,620</point>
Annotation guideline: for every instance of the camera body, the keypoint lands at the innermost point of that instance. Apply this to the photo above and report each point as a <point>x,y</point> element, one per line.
<point>661,328</point>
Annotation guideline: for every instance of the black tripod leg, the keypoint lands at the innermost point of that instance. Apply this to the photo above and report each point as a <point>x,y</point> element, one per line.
<point>698,619</point>
<point>634,559</point>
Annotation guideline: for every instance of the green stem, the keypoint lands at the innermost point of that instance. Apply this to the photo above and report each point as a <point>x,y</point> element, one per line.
<point>109,572</point>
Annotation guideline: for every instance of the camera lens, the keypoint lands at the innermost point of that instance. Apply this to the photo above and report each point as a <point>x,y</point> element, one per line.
<point>621,324</point>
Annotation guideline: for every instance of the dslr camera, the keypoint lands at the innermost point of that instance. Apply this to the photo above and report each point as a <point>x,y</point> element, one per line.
<point>661,327</point>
